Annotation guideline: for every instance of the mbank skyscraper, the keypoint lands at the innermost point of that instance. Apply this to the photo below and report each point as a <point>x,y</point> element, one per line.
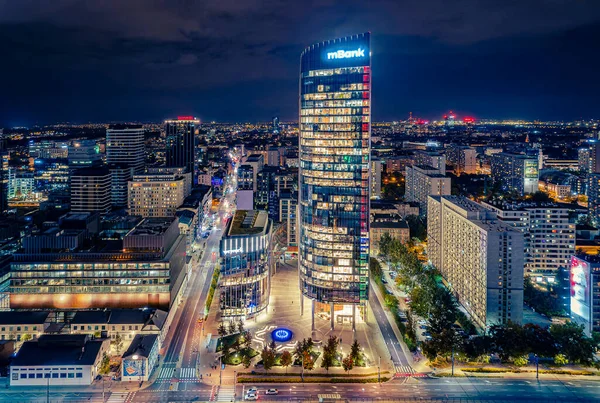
<point>335,128</point>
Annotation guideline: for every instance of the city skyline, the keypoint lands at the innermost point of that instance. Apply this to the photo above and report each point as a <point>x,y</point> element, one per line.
<point>152,62</point>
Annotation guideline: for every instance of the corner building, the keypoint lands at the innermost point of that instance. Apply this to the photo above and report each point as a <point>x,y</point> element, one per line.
<point>335,127</point>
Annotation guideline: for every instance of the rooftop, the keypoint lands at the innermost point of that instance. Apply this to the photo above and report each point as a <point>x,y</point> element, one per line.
<point>247,222</point>
<point>152,226</point>
<point>22,317</point>
<point>141,345</point>
<point>59,350</point>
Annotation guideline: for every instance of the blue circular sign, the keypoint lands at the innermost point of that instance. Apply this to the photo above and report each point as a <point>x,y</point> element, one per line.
<point>281,334</point>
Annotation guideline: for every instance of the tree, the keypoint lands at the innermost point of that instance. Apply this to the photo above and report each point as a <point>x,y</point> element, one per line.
<point>117,342</point>
<point>355,351</point>
<point>272,345</point>
<point>573,343</point>
<point>509,340</point>
<point>348,363</point>
<point>268,358</point>
<point>308,361</point>
<point>329,352</point>
<point>247,339</point>
<point>222,330</point>
<point>246,360</point>
<point>384,245</point>
<point>104,365</point>
<point>226,351</point>
<point>232,327</point>
<point>539,341</point>
<point>240,326</point>
<point>286,359</point>
<point>26,337</point>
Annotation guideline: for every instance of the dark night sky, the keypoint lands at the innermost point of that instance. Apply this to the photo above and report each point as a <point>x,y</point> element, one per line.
<point>237,60</point>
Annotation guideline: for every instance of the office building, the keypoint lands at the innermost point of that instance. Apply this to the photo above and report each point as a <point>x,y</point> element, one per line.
<point>462,158</point>
<point>5,158</point>
<point>593,191</point>
<point>375,178</point>
<point>120,175</point>
<point>518,173</point>
<point>549,233</point>
<point>480,258</point>
<point>334,151</point>
<point>58,360</point>
<point>144,269</point>
<point>156,195</point>
<point>432,159</point>
<point>84,153</point>
<point>422,181</point>
<point>257,162</point>
<point>583,160</point>
<point>245,252</point>
<point>181,142</point>
<point>91,190</point>
<point>585,292</point>
<point>125,145</point>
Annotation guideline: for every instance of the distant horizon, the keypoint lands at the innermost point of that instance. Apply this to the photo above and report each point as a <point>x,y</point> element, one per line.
<point>290,121</point>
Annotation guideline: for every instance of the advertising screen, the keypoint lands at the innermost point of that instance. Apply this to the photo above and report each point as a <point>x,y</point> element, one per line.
<point>580,288</point>
<point>134,367</point>
<point>531,169</point>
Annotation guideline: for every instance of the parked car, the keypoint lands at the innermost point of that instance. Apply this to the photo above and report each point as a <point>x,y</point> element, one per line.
<point>253,390</point>
<point>251,396</point>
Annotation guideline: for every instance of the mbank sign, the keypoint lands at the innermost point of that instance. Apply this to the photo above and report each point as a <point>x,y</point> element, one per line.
<point>346,54</point>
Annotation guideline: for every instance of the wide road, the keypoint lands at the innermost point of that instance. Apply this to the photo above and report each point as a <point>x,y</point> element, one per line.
<point>444,389</point>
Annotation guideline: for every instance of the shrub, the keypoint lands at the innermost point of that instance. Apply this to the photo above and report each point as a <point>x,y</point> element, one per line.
<point>521,361</point>
<point>560,359</point>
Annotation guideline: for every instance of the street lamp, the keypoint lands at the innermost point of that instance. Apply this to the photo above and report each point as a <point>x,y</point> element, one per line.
<point>537,367</point>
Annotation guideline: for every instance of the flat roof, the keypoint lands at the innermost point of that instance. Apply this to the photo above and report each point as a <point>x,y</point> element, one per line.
<point>58,350</point>
<point>22,317</point>
<point>152,226</point>
<point>246,222</point>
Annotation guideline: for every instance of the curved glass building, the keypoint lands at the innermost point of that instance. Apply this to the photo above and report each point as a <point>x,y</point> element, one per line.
<point>335,127</point>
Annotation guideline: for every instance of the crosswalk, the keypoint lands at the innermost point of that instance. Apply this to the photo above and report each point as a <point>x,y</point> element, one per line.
<point>226,393</point>
<point>121,397</point>
<point>166,372</point>
<point>186,374</point>
<point>405,370</point>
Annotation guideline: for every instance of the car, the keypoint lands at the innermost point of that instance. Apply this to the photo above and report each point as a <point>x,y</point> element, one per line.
<point>424,327</point>
<point>252,390</point>
<point>271,392</point>
<point>422,322</point>
<point>426,334</point>
<point>383,280</point>
<point>200,320</point>
<point>251,396</point>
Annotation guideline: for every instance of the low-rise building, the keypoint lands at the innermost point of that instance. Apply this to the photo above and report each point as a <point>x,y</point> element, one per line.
<point>140,359</point>
<point>14,325</point>
<point>58,360</point>
<point>390,224</point>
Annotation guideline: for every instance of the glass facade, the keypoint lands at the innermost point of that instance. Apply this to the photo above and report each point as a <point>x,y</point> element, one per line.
<point>335,126</point>
<point>245,252</point>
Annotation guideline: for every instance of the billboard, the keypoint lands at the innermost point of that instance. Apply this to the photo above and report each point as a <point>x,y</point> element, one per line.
<point>531,169</point>
<point>580,288</point>
<point>134,367</point>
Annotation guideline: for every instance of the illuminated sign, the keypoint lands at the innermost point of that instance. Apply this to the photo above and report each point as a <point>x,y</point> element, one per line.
<point>580,288</point>
<point>185,118</point>
<point>240,250</point>
<point>346,54</point>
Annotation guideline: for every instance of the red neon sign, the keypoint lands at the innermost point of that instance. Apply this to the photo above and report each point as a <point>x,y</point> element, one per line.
<point>185,118</point>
